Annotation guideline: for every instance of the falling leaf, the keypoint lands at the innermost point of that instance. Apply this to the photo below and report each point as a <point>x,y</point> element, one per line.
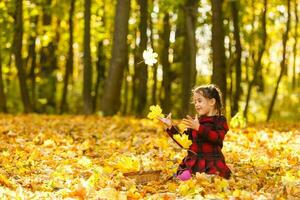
<point>155,112</point>
<point>183,140</point>
<point>150,57</point>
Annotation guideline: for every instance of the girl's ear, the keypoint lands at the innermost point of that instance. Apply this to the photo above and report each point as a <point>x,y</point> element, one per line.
<point>212,101</point>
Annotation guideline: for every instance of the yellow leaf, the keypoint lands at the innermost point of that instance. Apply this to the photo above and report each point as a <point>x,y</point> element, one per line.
<point>127,164</point>
<point>221,184</point>
<point>183,140</point>
<point>155,111</point>
<point>5,181</point>
<point>84,161</point>
<point>183,189</point>
<point>288,179</point>
<point>49,143</point>
<point>236,193</point>
<point>108,193</point>
<point>187,187</point>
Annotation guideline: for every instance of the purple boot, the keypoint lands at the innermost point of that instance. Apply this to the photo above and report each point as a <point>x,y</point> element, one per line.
<point>185,175</point>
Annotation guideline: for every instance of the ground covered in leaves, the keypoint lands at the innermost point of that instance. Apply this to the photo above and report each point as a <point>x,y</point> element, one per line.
<point>77,157</point>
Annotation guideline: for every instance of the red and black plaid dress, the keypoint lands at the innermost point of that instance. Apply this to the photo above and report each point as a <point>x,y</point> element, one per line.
<point>205,155</point>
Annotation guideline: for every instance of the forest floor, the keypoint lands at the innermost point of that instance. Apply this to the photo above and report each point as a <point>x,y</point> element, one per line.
<point>78,157</point>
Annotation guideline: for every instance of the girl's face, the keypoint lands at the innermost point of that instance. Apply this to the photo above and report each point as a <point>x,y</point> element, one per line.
<point>204,106</point>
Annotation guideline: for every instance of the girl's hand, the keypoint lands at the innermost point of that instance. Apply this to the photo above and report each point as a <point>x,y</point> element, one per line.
<point>189,122</point>
<point>167,121</point>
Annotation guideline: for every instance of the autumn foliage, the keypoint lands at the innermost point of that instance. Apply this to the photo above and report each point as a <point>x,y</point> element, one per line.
<point>80,157</point>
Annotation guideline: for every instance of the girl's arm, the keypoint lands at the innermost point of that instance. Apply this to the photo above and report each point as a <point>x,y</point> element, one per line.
<point>171,129</point>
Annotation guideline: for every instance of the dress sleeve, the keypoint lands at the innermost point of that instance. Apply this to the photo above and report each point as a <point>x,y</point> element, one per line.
<point>213,135</point>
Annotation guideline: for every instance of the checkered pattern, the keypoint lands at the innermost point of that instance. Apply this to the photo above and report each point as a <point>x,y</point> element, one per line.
<point>205,155</point>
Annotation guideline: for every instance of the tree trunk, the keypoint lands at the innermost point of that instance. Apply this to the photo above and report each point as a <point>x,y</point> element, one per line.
<point>48,62</point>
<point>133,82</point>
<point>283,61</point>
<point>125,93</point>
<point>218,49</point>
<point>295,45</point>
<point>18,37</point>
<point>189,50</point>
<point>3,107</point>
<point>113,84</point>
<point>177,64</point>
<point>69,64</point>
<point>100,66</point>
<point>100,75</point>
<point>230,63</point>
<point>238,48</point>
<point>154,87</point>
<point>87,73</point>
<point>166,82</point>
<point>31,61</point>
<point>142,72</point>
<point>257,63</point>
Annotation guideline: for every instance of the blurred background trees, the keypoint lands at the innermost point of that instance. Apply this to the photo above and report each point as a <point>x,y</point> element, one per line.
<point>86,57</point>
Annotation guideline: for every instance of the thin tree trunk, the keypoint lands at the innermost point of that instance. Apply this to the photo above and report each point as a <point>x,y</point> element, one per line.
<point>295,45</point>
<point>219,63</point>
<point>18,37</point>
<point>125,95</point>
<point>3,106</point>
<point>100,75</point>
<point>257,63</point>
<point>87,73</point>
<point>189,50</point>
<point>230,64</point>
<point>100,66</point>
<point>69,64</point>
<point>134,76</point>
<point>142,72</point>
<point>31,62</point>
<point>166,82</point>
<point>48,62</point>
<point>111,99</point>
<point>177,63</point>
<point>238,48</point>
<point>283,61</point>
<point>154,87</point>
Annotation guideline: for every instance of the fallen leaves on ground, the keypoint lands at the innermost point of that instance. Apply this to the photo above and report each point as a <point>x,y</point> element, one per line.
<point>79,157</point>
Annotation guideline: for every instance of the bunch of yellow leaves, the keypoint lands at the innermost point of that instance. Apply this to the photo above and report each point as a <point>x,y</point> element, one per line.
<point>155,112</point>
<point>127,164</point>
<point>183,140</point>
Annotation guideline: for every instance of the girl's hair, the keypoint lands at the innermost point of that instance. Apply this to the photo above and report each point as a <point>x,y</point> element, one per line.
<point>211,91</point>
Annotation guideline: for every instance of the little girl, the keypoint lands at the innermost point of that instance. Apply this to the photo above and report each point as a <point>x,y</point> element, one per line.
<point>206,133</point>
